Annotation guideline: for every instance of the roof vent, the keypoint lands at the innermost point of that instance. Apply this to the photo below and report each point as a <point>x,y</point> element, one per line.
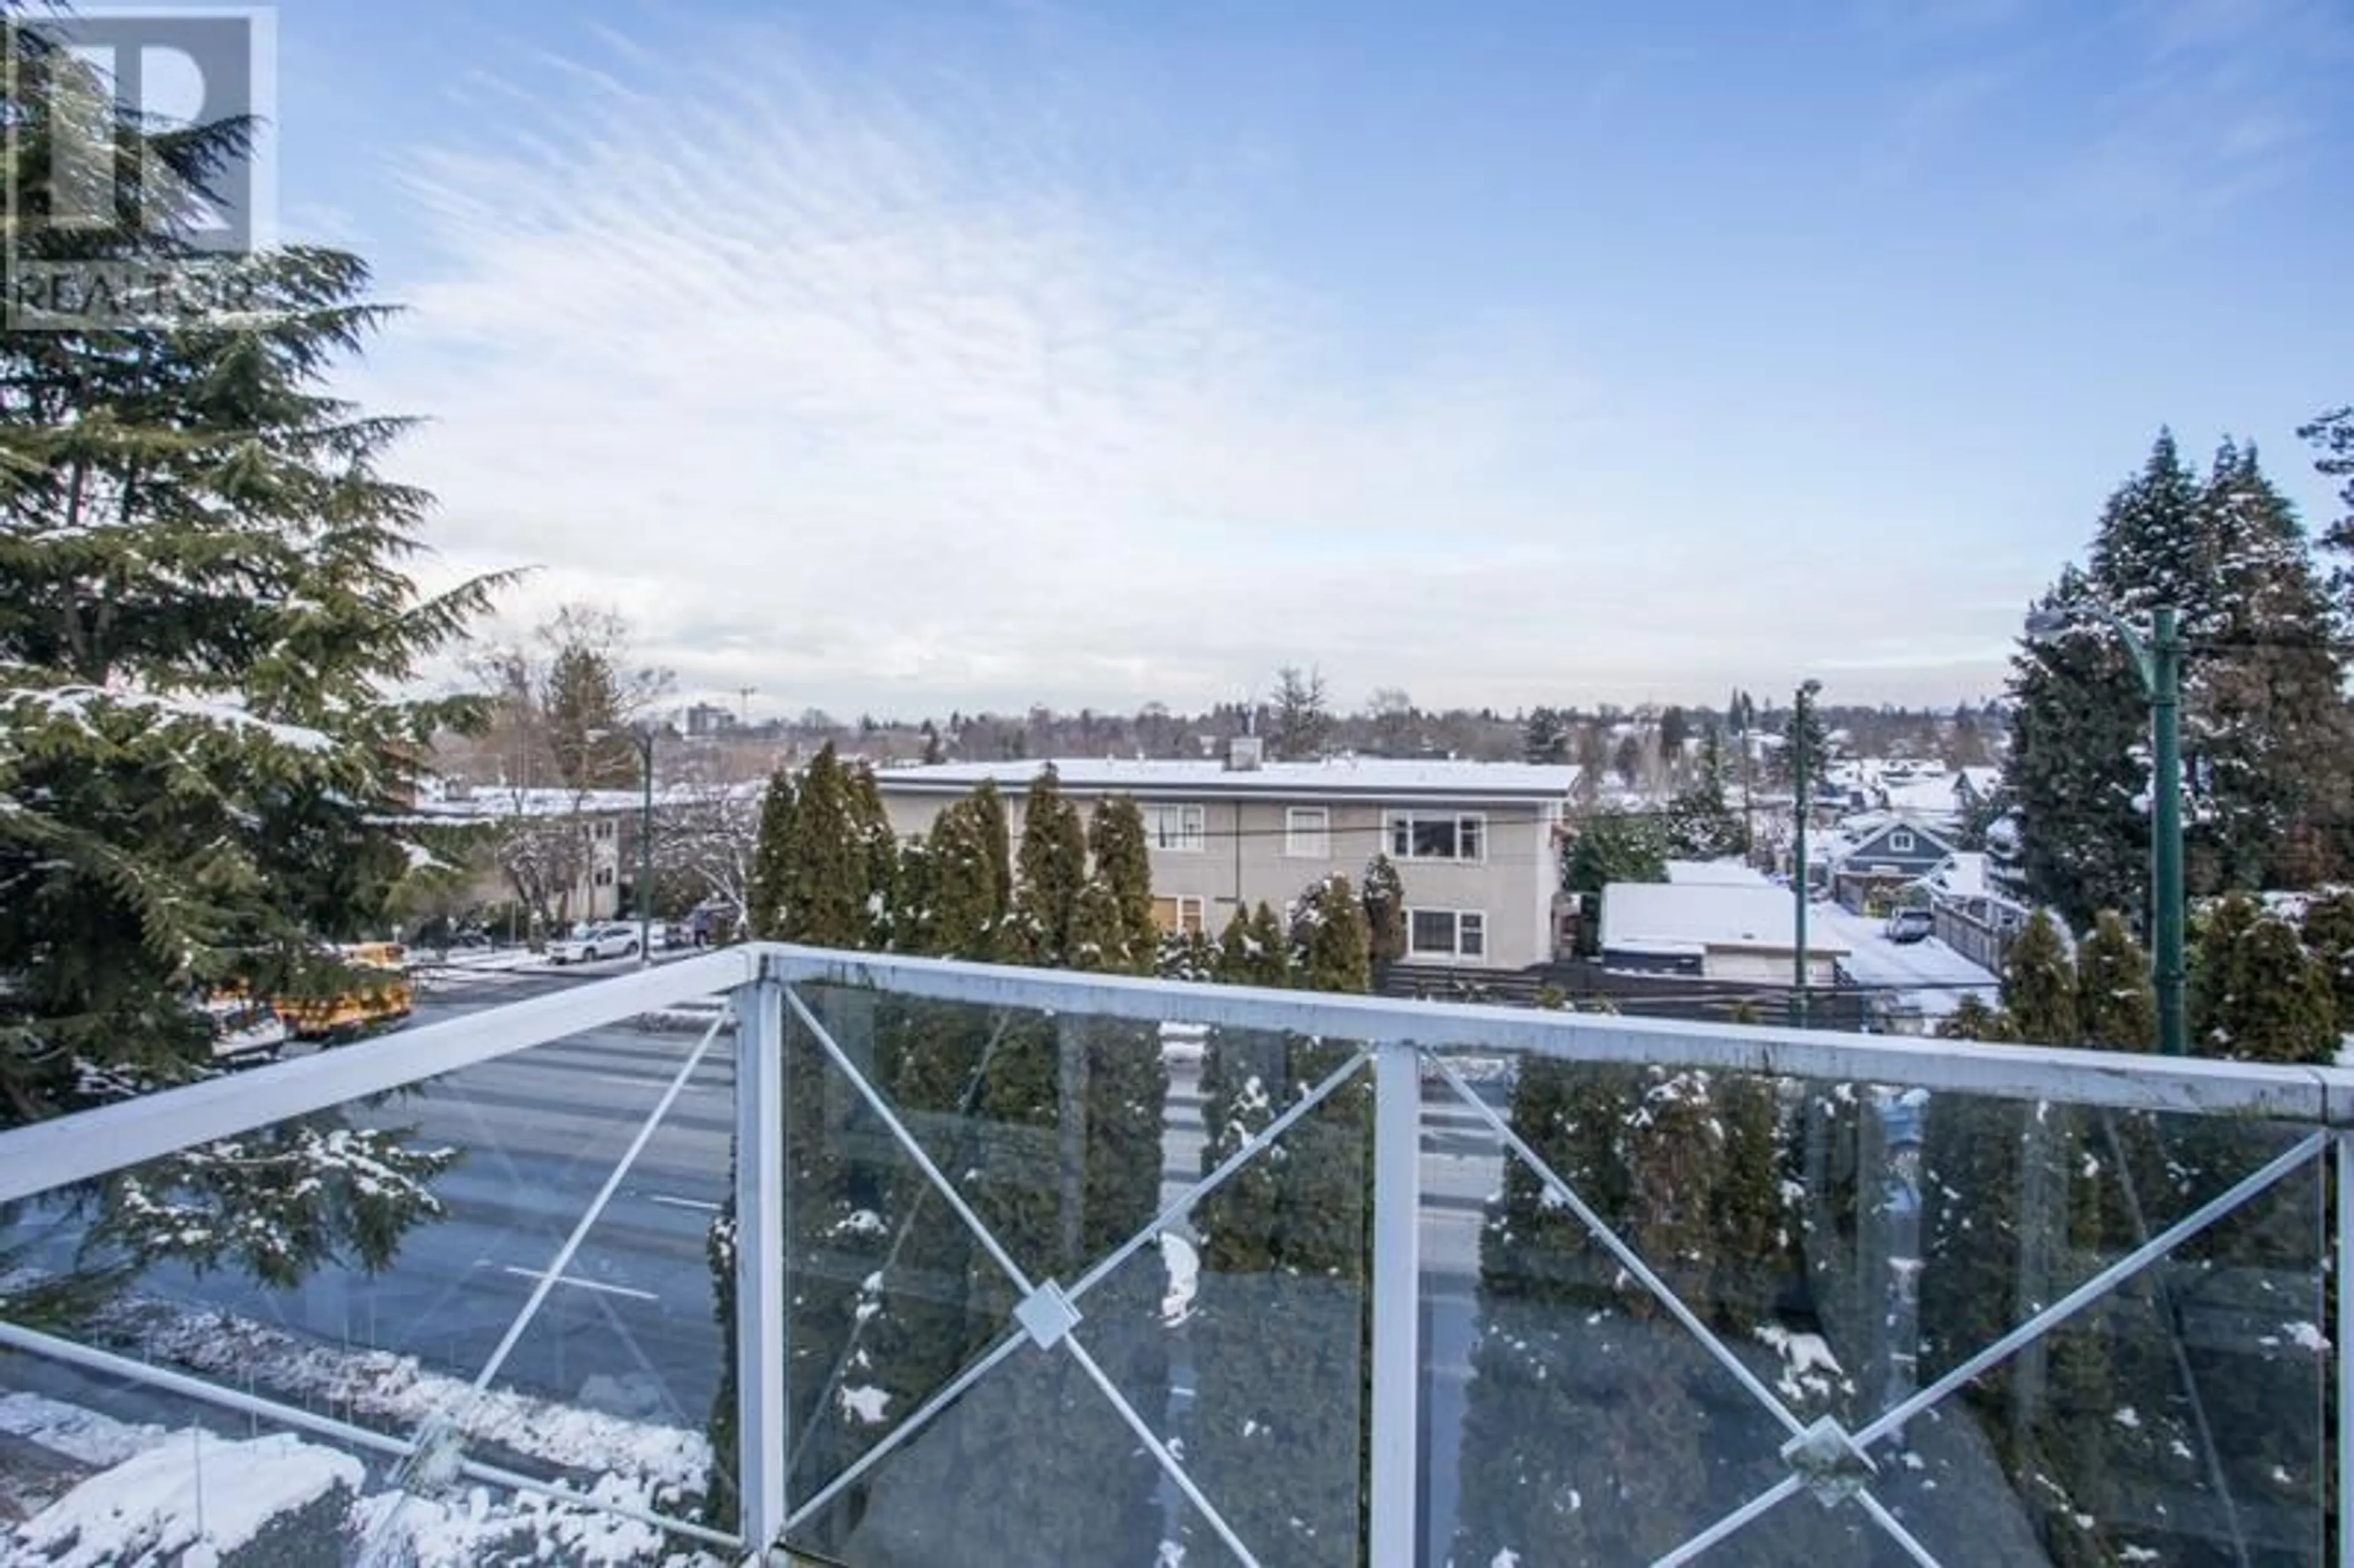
<point>1244,754</point>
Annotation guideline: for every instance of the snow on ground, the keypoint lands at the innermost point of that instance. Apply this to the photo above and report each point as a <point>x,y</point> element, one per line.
<point>479,1528</point>
<point>77,1434</point>
<point>189,1496</point>
<point>382,1388</point>
<point>1926,974</point>
<point>186,1500</point>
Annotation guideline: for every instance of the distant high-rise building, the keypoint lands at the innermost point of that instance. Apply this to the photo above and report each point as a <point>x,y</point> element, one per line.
<point>705,719</point>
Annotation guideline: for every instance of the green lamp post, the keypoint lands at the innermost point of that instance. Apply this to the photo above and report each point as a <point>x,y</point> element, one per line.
<point>2157,660</point>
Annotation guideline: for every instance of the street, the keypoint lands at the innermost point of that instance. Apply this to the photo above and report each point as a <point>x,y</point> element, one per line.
<point>628,1328</point>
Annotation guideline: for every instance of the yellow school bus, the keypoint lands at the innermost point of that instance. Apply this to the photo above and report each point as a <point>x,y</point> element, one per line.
<point>384,996</point>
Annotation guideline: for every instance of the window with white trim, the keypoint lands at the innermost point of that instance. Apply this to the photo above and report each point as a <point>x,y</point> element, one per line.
<point>1184,912</point>
<point>1445,934</point>
<point>1901,841</point>
<point>1308,833</point>
<point>1434,835</point>
<point>1177,829</point>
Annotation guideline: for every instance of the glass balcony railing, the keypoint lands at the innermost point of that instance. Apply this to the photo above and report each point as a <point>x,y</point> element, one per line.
<point>900,1261</point>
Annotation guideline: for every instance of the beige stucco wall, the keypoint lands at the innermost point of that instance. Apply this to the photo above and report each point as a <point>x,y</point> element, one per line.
<point>1244,859</point>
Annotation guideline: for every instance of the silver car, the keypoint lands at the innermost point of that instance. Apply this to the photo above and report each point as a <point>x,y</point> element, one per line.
<point>596,942</point>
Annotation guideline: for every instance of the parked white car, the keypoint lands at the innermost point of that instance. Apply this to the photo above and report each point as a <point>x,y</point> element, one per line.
<point>245,1030</point>
<point>595,942</point>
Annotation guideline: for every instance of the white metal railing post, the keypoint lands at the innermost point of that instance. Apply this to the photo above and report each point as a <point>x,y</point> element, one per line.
<point>1396,1511</point>
<point>760,1437</point>
<point>2341,1259</point>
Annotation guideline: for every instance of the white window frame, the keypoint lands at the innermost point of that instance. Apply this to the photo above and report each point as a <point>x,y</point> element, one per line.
<point>1457,917</point>
<point>1401,844</point>
<point>1192,912</point>
<point>1192,836</point>
<point>1304,841</point>
<point>1901,842</point>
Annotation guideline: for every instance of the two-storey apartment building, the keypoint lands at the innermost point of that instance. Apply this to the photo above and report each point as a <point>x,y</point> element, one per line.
<point>1476,844</point>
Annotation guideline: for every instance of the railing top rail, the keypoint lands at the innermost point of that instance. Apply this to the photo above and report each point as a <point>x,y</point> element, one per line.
<point>50,1154</point>
<point>2118,1080</point>
<point>47,1155</point>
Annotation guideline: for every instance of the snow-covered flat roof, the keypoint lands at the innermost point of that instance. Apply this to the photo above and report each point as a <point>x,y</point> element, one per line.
<point>1642,916</point>
<point>1363,778</point>
<point>1715,874</point>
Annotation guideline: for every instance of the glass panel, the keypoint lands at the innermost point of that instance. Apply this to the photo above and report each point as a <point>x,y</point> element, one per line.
<point>1569,1416</point>
<point>1848,1243</point>
<point>1240,1336</point>
<point>1051,1126</point>
<point>365,1261</point>
<point>1433,931</point>
<point>2181,1417</point>
<point>1473,940</point>
<point>1030,1466</point>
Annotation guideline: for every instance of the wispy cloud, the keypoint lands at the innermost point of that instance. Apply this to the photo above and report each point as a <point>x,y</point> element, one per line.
<point>896,402</point>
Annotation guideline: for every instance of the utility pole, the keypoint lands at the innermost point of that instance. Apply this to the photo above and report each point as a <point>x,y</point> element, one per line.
<point>1798,859</point>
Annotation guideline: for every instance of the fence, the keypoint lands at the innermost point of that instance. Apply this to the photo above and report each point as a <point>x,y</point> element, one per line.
<point>1017,1266</point>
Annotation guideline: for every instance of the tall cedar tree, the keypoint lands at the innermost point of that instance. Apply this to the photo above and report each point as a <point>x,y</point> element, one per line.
<point>205,602</point>
<point>1384,900</point>
<point>1284,1244</point>
<point>1546,737</point>
<point>2116,1007</point>
<point>1123,867</point>
<point>2329,932</point>
<point>1050,870</point>
<point>814,880</point>
<point>1055,1140</point>
<point>1701,821</point>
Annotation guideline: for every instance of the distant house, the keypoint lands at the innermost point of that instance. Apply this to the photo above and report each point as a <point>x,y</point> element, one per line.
<point>1711,931</point>
<point>1476,843</point>
<point>1877,858</point>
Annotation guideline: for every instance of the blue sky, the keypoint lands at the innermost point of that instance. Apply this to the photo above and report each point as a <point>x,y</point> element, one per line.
<point>917,356</point>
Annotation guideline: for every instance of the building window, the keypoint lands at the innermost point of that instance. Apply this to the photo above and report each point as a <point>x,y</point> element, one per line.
<point>1187,912</point>
<point>1418,835</point>
<point>1308,833</point>
<point>1446,933</point>
<point>1176,829</point>
<point>1901,841</point>
<point>604,830</point>
<point>604,877</point>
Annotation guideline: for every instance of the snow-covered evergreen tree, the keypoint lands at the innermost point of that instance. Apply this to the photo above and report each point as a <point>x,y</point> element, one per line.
<point>2265,721</point>
<point>1050,870</point>
<point>2116,1006</point>
<point>1702,823</point>
<point>2328,931</point>
<point>1124,868</point>
<point>204,608</point>
<point>1385,899</point>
